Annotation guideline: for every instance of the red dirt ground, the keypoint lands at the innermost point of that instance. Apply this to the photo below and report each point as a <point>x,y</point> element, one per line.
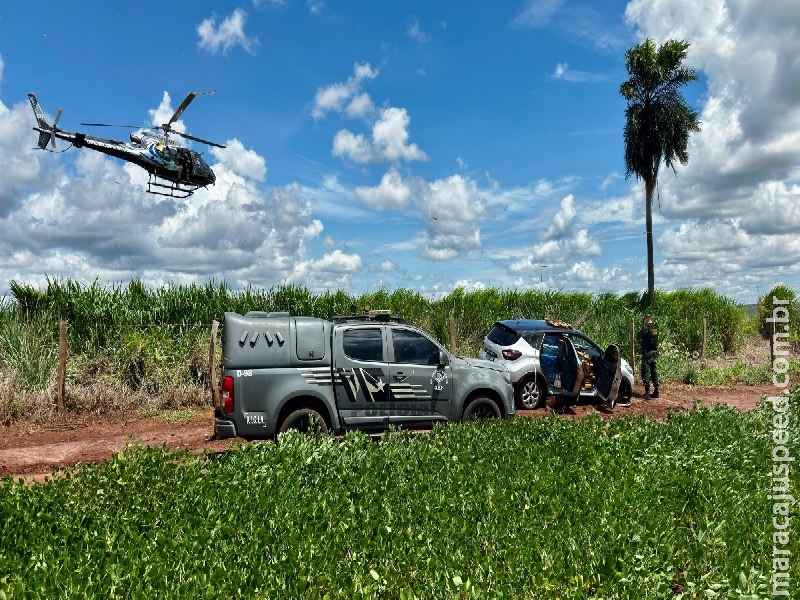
<point>35,451</point>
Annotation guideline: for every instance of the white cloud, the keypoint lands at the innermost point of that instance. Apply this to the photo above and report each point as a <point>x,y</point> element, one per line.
<point>388,143</point>
<point>746,155</point>
<point>451,209</point>
<point>163,113</point>
<point>336,95</point>
<point>229,34</point>
<point>563,220</point>
<point>468,285</point>
<point>585,274</point>
<point>241,161</point>
<point>563,242</point>
<point>393,193</point>
<point>356,147</point>
<point>337,262</point>
<point>390,136</point>
<point>537,13</point>
<point>21,163</point>
<point>415,33</point>
<point>360,106</point>
<point>564,72</point>
<point>387,266</point>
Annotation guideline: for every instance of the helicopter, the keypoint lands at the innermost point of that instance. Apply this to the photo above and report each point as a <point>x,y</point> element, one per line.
<point>172,170</point>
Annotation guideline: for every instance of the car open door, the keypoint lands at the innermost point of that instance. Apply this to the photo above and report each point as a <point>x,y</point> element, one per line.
<point>561,366</point>
<point>609,376</point>
<point>573,371</point>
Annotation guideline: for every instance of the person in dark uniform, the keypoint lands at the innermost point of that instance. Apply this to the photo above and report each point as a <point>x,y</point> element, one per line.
<point>648,342</point>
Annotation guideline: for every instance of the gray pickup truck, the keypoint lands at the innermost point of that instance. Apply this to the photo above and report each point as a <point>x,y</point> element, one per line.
<point>367,372</point>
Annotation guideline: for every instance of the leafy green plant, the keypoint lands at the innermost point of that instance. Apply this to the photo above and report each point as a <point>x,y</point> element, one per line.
<point>630,508</point>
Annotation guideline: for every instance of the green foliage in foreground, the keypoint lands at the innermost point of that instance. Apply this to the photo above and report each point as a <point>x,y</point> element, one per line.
<point>524,508</point>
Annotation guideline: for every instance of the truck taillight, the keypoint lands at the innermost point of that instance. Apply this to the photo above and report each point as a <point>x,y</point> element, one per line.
<point>227,395</point>
<point>511,354</point>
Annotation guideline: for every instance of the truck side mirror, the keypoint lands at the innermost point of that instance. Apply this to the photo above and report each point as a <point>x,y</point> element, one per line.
<point>443,359</point>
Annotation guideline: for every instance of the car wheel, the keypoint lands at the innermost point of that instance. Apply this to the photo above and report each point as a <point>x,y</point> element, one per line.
<point>624,394</point>
<point>529,394</point>
<point>304,420</point>
<point>481,408</point>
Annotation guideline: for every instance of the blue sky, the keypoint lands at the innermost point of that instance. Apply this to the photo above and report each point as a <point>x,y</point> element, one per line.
<point>427,145</point>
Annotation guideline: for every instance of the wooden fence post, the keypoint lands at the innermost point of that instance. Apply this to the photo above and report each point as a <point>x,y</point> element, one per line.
<point>452,334</point>
<point>62,364</point>
<point>705,339</point>
<point>633,348</point>
<point>212,362</point>
<point>771,331</point>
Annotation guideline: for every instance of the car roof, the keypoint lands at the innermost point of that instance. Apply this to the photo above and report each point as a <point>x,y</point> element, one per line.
<point>521,325</point>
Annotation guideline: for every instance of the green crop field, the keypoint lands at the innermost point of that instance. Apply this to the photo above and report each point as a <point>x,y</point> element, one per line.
<point>524,508</point>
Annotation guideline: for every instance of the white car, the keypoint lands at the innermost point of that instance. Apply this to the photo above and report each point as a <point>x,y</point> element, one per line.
<point>551,358</point>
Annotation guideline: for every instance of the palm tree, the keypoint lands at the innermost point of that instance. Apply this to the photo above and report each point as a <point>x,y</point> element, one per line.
<point>657,120</point>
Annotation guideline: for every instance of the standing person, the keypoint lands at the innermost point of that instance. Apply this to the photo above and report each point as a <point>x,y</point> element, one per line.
<point>648,342</point>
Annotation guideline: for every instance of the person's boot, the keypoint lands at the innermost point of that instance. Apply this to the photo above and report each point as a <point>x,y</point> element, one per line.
<point>655,391</point>
<point>646,392</point>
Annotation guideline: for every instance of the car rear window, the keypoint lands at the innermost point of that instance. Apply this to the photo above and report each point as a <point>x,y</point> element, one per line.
<point>503,335</point>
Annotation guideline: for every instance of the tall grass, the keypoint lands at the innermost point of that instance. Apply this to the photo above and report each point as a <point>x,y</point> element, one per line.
<point>784,297</point>
<point>154,340</point>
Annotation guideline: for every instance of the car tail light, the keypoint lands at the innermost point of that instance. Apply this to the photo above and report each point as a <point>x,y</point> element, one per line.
<point>511,354</point>
<point>227,395</point>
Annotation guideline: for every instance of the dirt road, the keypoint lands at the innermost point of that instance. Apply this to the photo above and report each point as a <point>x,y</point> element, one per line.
<point>34,451</point>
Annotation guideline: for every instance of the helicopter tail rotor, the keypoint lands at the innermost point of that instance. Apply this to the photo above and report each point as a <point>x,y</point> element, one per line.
<point>54,128</point>
<point>47,132</point>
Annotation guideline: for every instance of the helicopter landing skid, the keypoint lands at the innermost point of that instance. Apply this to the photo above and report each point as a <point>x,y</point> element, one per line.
<point>155,184</point>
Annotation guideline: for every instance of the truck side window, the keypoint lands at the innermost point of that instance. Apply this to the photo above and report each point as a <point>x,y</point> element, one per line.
<point>413,348</point>
<point>363,344</point>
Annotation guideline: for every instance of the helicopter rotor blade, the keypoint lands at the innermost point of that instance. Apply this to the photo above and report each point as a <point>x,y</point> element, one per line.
<point>189,97</point>
<point>109,125</point>
<point>197,139</point>
<point>53,131</point>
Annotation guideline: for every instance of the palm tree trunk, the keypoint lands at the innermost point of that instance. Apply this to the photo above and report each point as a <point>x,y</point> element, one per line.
<point>649,187</point>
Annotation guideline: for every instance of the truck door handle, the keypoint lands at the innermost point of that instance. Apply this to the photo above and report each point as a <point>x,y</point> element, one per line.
<point>400,377</point>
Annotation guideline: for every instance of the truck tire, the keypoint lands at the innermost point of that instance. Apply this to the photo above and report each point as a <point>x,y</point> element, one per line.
<point>529,395</point>
<point>481,407</point>
<point>304,420</point>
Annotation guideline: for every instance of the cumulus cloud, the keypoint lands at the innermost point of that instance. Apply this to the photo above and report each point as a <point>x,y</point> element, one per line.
<point>219,39</point>
<point>451,209</point>
<point>21,163</point>
<point>562,242</point>
<point>336,96</point>
<point>388,142</point>
<point>238,159</point>
<point>163,113</point>
<point>749,146</point>
<point>393,192</point>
